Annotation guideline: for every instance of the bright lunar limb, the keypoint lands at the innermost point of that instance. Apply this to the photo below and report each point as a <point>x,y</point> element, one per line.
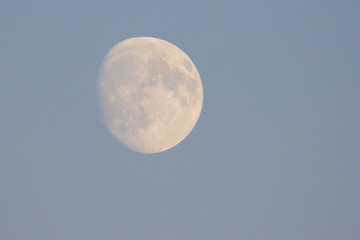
<point>150,94</point>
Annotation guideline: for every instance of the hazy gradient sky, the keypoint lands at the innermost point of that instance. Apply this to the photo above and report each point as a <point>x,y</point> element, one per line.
<point>275,154</point>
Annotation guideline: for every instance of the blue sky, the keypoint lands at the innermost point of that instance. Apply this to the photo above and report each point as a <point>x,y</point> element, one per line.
<point>274,155</point>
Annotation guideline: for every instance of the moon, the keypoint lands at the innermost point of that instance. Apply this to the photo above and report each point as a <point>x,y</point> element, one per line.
<point>150,94</point>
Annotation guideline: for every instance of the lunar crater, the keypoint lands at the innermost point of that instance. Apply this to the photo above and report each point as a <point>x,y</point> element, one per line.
<point>187,66</point>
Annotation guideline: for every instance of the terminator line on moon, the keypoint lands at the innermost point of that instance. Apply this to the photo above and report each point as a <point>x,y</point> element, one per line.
<point>150,94</point>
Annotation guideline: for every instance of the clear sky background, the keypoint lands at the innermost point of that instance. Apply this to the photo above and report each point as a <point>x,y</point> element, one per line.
<point>275,154</point>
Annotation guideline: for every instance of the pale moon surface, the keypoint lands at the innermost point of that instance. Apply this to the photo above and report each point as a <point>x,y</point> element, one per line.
<point>150,94</point>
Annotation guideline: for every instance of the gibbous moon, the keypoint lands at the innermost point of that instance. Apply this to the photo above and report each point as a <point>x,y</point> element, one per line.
<point>150,94</point>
